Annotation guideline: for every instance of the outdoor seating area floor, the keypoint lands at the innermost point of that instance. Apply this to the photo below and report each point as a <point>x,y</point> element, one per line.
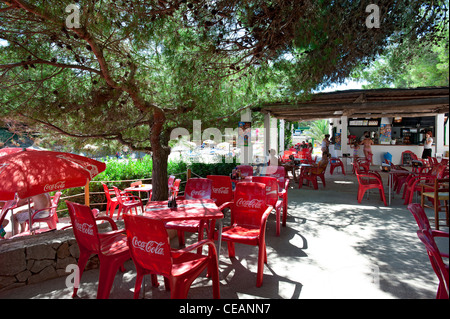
<point>332,247</point>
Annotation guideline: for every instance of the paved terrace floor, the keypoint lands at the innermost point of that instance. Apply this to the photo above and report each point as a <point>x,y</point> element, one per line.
<point>332,247</point>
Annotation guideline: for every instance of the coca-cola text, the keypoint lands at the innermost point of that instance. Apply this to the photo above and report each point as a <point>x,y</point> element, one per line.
<point>250,203</point>
<point>151,246</point>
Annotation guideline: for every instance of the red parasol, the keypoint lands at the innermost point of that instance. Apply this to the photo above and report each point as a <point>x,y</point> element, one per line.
<point>28,173</point>
<point>11,150</point>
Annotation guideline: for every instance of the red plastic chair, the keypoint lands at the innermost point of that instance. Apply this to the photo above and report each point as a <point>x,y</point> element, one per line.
<point>272,196</point>
<point>305,156</point>
<point>196,188</point>
<point>127,202</point>
<point>151,253</point>
<point>246,170</point>
<point>249,213</point>
<point>176,187</point>
<point>52,218</point>
<point>170,182</point>
<point>368,181</point>
<point>413,181</point>
<point>437,263</point>
<point>111,247</point>
<point>111,202</point>
<point>424,224</point>
<point>283,185</point>
<point>11,204</point>
<point>285,158</point>
<point>336,162</point>
<point>311,173</point>
<point>221,189</point>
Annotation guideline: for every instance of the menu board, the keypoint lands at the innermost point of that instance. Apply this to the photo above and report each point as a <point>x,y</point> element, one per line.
<point>364,122</point>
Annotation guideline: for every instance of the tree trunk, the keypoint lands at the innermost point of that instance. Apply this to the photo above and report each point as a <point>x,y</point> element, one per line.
<point>159,175</point>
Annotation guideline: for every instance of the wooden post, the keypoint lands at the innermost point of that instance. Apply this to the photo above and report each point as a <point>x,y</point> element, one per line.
<point>188,173</point>
<point>86,194</point>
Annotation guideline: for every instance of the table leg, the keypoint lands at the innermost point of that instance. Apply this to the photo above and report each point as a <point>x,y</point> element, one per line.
<point>219,239</point>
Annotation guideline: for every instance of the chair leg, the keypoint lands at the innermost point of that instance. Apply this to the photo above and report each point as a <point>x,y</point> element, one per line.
<point>383,196</point>
<point>82,261</point>
<point>278,217</point>
<point>436,212</point>
<point>231,249</point>
<point>106,278</point>
<point>138,284</point>
<point>260,272</point>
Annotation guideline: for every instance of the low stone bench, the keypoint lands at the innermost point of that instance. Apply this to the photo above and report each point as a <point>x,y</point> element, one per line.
<point>31,259</point>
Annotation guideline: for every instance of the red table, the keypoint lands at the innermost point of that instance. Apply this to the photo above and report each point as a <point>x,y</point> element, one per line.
<point>192,209</point>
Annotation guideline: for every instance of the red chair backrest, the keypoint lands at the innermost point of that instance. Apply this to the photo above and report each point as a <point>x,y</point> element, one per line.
<point>249,203</point>
<point>419,215</point>
<point>176,187</point>
<point>8,205</point>
<point>278,172</point>
<point>198,188</point>
<point>436,261</point>
<point>107,192</point>
<point>246,170</point>
<point>118,195</point>
<point>221,189</point>
<point>271,188</point>
<point>55,202</point>
<point>149,244</point>
<point>170,181</point>
<point>84,226</point>
<point>286,154</point>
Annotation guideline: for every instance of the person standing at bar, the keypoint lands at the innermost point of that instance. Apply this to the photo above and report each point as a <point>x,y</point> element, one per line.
<point>367,142</point>
<point>326,144</point>
<point>427,145</point>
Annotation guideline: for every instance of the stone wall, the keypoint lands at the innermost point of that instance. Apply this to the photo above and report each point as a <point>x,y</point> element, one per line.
<point>32,259</point>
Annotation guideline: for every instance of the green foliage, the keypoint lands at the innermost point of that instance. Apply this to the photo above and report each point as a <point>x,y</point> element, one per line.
<point>409,66</point>
<point>318,129</point>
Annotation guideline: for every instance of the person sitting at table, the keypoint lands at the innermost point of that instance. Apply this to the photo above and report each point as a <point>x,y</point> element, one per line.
<point>40,201</point>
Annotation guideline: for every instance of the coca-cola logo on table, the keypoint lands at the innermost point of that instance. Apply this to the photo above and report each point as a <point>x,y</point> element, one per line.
<point>56,186</point>
<point>250,203</point>
<point>85,228</point>
<point>221,190</point>
<point>151,246</point>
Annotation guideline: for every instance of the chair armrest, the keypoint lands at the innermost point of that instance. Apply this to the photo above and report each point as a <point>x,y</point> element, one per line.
<point>112,232</point>
<point>180,198</point>
<point>439,233</point>
<point>108,219</point>
<point>209,242</point>
<point>225,205</point>
<point>41,210</point>
<point>264,217</point>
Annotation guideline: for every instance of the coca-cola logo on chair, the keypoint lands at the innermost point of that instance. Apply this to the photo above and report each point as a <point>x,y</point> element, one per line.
<point>85,228</point>
<point>150,246</point>
<point>198,193</point>
<point>250,203</point>
<point>221,190</point>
